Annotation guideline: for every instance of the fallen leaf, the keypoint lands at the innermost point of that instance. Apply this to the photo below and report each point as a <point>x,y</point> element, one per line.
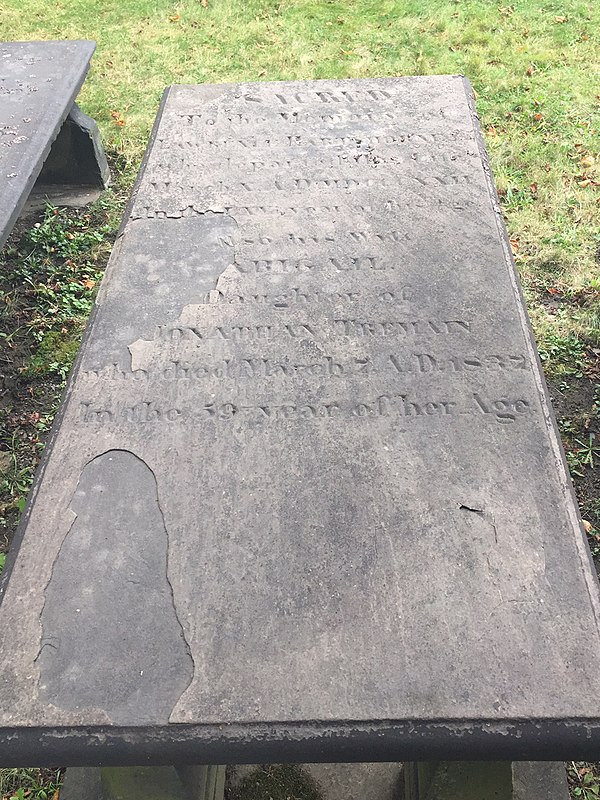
<point>204,3</point>
<point>175,18</point>
<point>533,188</point>
<point>538,117</point>
<point>588,161</point>
<point>560,20</point>
<point>530,70</point>
<point>491,131</point>
<point>588,527</point>
<point>88,283</point>
<point>584,183</point>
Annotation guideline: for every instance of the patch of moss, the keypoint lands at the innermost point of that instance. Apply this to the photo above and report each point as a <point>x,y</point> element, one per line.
<point>276,782</point>
<point>55,355</point>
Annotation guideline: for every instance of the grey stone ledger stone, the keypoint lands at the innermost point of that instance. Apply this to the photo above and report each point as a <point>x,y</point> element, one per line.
<point>39,82</point>
<point>305,499</point>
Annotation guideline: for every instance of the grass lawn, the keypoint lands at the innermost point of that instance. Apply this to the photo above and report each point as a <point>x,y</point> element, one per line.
<point>535,68</point>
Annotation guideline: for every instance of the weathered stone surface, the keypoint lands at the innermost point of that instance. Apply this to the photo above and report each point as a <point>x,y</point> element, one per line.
<point>311,337</point>
<point>118,535</point>
<point>82,783</point>
<point>39,82</point>
<point>542,780</point>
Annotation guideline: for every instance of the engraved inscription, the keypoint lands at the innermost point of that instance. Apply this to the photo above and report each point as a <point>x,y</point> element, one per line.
<point>503,410</point>
<point>353,327</point>
<point>333,194</point>
<point>258,367</point>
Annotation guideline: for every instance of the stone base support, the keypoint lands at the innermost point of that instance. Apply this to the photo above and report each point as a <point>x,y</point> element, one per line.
<point>379,781</point>
<point>144,783</point>
<point>203,782</point>
<point>485,780</point>
<point>444,780</point>
<point>77,156</point>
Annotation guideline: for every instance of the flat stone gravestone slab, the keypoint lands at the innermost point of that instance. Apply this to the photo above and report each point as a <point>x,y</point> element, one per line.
<point>39,82</point>
<point>305,499</point>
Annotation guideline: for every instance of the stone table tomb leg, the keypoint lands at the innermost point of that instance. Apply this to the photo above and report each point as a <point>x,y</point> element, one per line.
<point>77,156</point>
<point>206,782</point>
<point>485,780</point>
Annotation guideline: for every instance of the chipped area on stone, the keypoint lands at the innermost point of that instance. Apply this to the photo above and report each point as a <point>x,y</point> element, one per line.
<point>39,82</point>
<point>311,348</point>
<point>115,548</point>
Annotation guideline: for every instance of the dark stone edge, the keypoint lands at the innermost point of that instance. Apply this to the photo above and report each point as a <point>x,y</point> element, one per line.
<point>31,179</point>
<point>303,742</point>
<point>56,425</point>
